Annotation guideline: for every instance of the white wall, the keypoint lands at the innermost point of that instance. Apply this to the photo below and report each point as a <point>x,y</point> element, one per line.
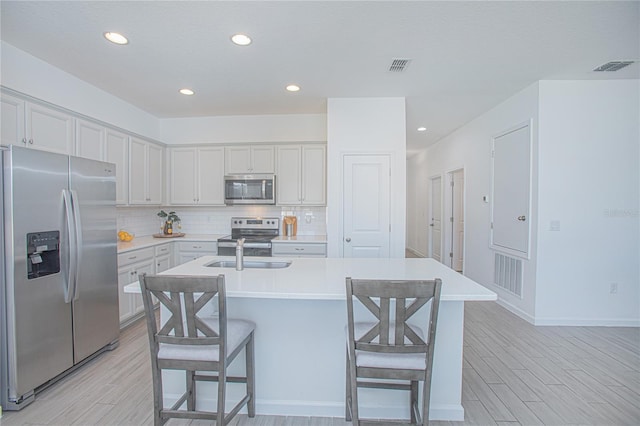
<point>470,148</point>
<point>586,158</point>
<point>34,77</point>
<point>246,128</point>
<point>589,181</point>
<point>366,125</point>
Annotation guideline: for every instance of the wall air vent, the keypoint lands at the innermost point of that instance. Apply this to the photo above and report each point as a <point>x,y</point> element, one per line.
<point>613,66</point>
<point>399,65</point>
<point>508,273</point>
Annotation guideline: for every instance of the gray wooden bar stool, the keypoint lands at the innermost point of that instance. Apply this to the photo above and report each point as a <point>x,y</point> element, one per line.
<point>389,348</point>
<point>194,343</point>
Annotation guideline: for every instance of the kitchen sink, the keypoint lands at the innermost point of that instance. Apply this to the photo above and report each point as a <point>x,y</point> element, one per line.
<point>250,264</point>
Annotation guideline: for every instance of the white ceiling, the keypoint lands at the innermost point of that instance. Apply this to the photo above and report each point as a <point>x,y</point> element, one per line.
<point>465,56</point>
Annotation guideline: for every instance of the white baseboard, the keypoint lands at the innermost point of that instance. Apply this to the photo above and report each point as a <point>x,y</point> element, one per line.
<point>589,322</point>
<point>515,310</point>
<point>416,252</point>
<point>570,322</point>
<point>453,412</point>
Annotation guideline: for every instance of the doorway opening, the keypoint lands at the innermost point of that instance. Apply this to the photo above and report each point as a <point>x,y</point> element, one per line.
<point>435,219</point>
<point>454,235</point>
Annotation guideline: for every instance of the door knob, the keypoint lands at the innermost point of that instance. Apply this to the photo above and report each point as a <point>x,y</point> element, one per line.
<point>522,218</point>
<point>348,240</point>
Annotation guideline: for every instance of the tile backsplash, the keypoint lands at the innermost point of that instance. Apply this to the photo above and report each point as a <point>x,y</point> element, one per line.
<point>217,220</point>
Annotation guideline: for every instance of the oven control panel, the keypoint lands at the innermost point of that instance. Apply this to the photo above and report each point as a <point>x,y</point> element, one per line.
<point>255,223</point>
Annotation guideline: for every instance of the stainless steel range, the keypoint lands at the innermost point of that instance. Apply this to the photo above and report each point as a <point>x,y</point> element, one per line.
<point>257,232</point>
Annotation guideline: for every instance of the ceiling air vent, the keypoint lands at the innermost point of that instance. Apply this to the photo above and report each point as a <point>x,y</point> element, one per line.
<point>613,66</point>
<point>399,65</point>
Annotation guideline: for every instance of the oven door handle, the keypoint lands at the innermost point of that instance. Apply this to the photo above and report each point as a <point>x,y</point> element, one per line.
<point>247,245</point>
<point>257,245</point>
<point>226,244</point>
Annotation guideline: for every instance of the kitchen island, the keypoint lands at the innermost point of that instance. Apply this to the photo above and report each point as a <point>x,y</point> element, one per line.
<point>300,312</point>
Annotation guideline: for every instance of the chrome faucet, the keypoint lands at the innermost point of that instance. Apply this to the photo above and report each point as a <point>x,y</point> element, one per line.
<point>240,254</point>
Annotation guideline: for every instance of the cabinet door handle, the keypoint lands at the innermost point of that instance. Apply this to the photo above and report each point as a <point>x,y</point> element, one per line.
<point>24,141</point>
<point>348,240</point>
<point>522,218</point>
<point>30,141</point>
<point>133,257</point>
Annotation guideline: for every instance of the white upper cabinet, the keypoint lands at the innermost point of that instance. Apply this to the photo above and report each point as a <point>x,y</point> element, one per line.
<point>251,159</point>
<point>211,175</point>
<point>36,126</point>
<point>101,143</point>
<point>145,172</point>
<point>90,140</point>
<point>301,175</point>
<point>12,119</point>
<point>183,175</point>
<point>197,176</point>
<point>117,152</point>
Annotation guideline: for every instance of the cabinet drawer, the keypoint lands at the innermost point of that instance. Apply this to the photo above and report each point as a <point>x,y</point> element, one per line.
<point>310,249</point>
<point>135,256</point>
<point>206,247</point>
<point>163,249</point>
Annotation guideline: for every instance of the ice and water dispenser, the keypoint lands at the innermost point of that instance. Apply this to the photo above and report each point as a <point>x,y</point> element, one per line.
<point>43,253</point>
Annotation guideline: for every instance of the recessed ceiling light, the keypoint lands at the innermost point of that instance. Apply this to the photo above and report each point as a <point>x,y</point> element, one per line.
<point>293,88</point>
<point>187,92</point>
<point>116,38</point>
<point>241,39</point>
<point>422,129</point>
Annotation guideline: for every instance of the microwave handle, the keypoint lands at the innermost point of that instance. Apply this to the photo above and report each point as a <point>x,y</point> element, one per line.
<point>264,189</point>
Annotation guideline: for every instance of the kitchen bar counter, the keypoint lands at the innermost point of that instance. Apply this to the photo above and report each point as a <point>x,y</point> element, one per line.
<point>300,312</point>
<point>324,278</point>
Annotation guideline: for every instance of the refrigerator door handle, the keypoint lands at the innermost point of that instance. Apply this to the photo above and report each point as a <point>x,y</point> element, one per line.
<point>78,233</point>
<point>69,291</point>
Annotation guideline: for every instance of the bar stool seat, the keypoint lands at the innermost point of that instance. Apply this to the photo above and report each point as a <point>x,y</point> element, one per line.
<point>237,332</point>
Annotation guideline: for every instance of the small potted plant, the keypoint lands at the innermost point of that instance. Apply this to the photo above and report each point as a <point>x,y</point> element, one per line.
<point>170,219</point>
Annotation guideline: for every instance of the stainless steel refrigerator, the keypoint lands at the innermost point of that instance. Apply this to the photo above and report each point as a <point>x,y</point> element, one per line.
<point>59,294</point>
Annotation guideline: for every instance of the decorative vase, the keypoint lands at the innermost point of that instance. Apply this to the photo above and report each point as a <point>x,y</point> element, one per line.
<point>168,227</point>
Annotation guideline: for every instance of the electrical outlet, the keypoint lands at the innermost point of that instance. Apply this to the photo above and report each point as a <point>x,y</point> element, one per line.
<point>613,288</point>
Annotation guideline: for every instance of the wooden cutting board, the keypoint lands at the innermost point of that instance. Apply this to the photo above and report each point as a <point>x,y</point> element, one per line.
<point>176,235</point>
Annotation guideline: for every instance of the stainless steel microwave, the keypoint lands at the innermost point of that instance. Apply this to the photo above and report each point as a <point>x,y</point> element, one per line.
<point>249,189</point>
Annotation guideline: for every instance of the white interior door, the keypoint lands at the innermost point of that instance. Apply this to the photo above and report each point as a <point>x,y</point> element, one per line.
<point>511,191</point>
<point>457,220</point>
<point>366,213</point>
<point>435,225</point>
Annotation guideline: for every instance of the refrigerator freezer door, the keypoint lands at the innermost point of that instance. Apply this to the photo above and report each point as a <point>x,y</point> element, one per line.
<point>95,302</point>
<point>39,325</point>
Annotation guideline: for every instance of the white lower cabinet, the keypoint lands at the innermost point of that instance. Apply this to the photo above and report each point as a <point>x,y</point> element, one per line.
<point>130,266</point>
<point>298,249</point>
<point>191,250</point>
<point>164,257</point>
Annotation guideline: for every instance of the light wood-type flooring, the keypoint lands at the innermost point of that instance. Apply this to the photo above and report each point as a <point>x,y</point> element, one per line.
<point>513,373</point>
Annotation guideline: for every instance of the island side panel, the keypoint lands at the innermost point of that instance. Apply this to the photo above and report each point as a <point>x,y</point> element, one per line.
<point>446,380</point>
<point>300,362</point>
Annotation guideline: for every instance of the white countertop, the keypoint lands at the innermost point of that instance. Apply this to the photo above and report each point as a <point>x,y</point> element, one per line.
<point>301,239</point>
<point>149,241</point>
<point>324,278</point>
